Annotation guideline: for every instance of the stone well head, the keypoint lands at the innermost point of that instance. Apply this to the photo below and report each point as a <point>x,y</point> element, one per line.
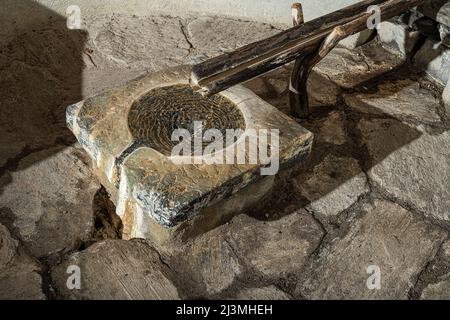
<point>128,133</point>
<point>155,116</point>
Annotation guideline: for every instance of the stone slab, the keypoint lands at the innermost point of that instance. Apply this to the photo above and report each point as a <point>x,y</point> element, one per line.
<point>351,68</point>
<point>444,33</point>
<point>216,262</point>
<point>333,185</point>
<point>20,275</point>
<point>358,39</point>
<point>101,124</point>
<point>398,37</point>
<point>437,291</point>
<point>207,265</point>
<point>385,235</point>
<point>332,129</point>
<point>130,270</point>
<point>434,59</point>
<point>142,226</point>
<point>266,294</point>
<point>134,42</point>
<point>278,248</point>
<point>408,164</point>
<point>212,37</point>
<point>48,200</point>
<point>403,99</point>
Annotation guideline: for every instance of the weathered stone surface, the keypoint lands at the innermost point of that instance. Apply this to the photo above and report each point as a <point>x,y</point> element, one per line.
<point>333,185</point>
<point>40,72</point>
<point>123,47</point>
<point>208,219</point>
<point>438,10</point>
<point>131,146</point>
<point>48,200</point>
<point>278,84</point>
<point>19,274</point>
<point>21,280</point>
<point>117,269</point>
<point>208,265</point>
<point>217,260</point>
<point>410,17</point>
<point>36,120</point>
<point>350,68</point>
<point>427,26</point>
<point>331,129</point>
<point>8,246</point>
<point>10,150</point>
<point>275,248</point>
<point>265,293</point>
<point>446,99</point>
<point>272,84</point>
<point>402,99</point>
<point>437,291</point>
<point>434,281</point>
<point>259,86</point>
<point>273,87</point>
<point>446,250</point>
<point>96,80</point>
<point>397,37</point>
<point>444,33</point>
<point>29,98</point>
<point>408,164</point>
<point>136,42</point>
<point>358,39</point>
<point>387,236</point>
<point>212,36</point>
<point>321,90</point>
<point>434,59</point>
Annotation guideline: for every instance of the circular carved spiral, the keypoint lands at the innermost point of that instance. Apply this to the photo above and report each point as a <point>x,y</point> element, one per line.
<point>153,118</point>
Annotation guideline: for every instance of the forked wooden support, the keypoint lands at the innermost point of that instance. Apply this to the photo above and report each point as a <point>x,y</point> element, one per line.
<point>298,83</point>
<point>306,43</point>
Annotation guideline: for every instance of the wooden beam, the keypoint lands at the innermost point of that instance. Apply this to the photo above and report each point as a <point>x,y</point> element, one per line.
<point>224,71</point>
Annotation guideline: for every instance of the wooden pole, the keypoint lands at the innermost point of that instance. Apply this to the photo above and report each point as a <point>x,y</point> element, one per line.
<point>298,94</point>
<point>302,41</point>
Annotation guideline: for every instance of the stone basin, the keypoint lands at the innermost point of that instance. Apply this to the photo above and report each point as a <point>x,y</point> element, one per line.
<point>127,133</point>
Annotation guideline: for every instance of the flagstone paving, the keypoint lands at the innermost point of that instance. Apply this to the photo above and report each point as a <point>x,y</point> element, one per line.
<point>373,200</point>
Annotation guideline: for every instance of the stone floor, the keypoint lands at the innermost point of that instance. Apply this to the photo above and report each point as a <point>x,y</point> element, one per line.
<point>375,191</point>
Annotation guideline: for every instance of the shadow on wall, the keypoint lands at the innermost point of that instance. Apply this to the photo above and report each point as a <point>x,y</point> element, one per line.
<point>41,63</point>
